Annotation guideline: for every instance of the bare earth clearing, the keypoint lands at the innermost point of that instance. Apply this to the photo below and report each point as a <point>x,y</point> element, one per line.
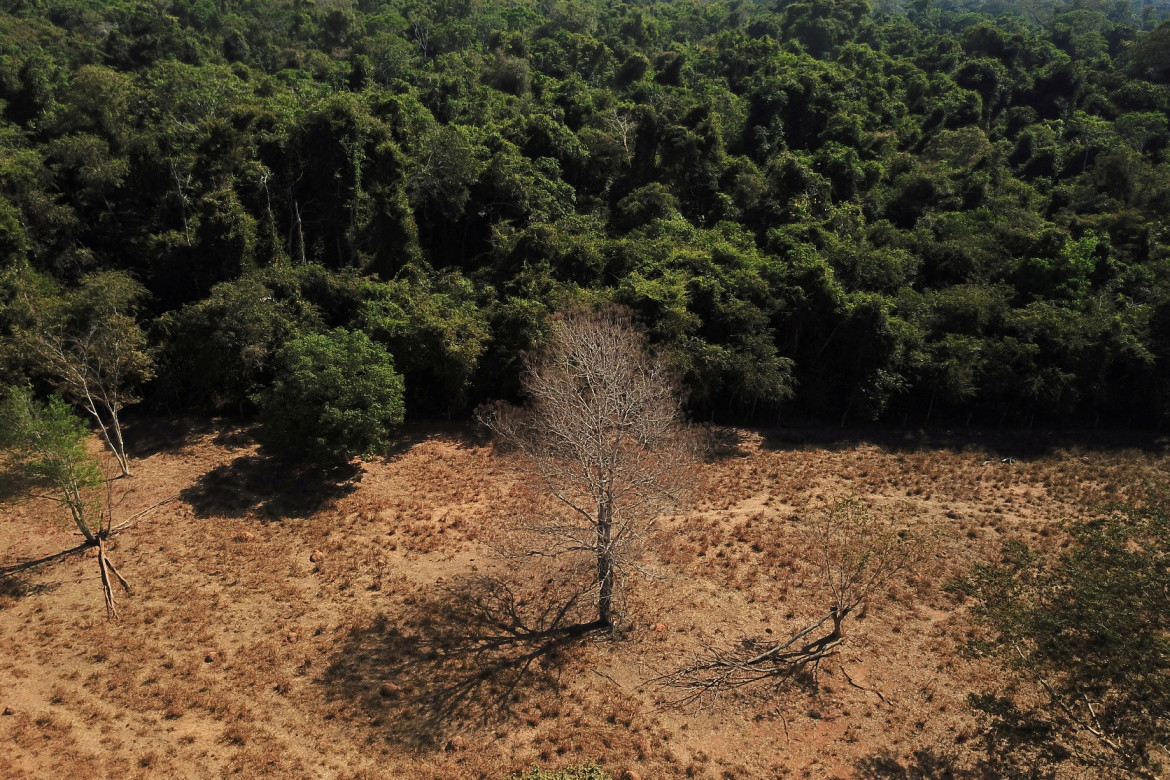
<point>389,655</point>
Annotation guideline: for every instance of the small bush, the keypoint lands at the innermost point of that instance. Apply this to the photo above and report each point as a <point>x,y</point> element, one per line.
<point>335,396</point>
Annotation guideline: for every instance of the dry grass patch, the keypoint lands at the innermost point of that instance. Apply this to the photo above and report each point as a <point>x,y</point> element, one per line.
<point>239,654</point>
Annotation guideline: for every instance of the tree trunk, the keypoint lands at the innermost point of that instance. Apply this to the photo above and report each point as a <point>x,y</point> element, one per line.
<point>605,568</point>
<point>76,508</point>
<point>839,614</point>
<point>120,450</point>
<point>605,599</point>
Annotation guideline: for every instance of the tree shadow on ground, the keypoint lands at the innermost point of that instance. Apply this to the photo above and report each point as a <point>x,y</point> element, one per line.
<point>14,486</point>
<point>925,764</point>
<point>269,487</point>
<point>721,443</point>
<point>999,444</point>
<point>146,436</point>
<point>461,658</point>
<point>13,588</point>
<point>462,433</point>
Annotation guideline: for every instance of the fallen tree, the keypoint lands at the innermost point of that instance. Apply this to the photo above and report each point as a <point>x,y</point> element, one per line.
<point>857,554</point>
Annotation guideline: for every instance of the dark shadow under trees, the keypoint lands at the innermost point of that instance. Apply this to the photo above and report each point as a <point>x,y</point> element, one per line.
<point>924,764</point>
<point>269,487</point>
<point>146,435</point>
<point>462,657</point>
<point>998,444</point>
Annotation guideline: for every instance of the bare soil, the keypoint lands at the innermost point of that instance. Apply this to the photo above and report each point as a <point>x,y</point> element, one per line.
<point>364,623</point>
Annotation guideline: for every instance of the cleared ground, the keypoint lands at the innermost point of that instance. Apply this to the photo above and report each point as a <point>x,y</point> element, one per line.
<point>360,626</point>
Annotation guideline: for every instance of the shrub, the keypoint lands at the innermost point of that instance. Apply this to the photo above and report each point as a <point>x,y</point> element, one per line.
<point>335,396</point>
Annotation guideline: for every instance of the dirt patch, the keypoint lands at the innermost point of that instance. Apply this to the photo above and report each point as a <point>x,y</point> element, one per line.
<point>364,625</point>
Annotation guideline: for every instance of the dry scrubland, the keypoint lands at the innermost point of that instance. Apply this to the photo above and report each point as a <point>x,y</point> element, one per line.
<point>239,655</point>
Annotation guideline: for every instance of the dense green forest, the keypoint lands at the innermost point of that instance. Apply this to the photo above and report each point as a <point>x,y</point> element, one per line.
<point>920,212</point>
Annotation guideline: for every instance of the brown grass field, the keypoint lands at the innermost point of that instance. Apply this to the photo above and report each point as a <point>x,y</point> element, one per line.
<point>381,657</point>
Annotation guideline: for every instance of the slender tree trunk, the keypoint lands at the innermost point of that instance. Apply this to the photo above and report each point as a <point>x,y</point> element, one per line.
<point>120,449</point>
<point>605,600</point>
<point>297,230</point>
<point>839,614</point>
<point>605,568</point>
<point>76,505</point>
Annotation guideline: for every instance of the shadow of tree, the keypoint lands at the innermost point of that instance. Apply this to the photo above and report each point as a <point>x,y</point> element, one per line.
<point>13,485</point>
<point>461,433</point>
<point>925,764</point>
<point>721,443</point>
<point>999,443</point>
<point>269,487</point>
<point>14,588</point>
<point>146,436</point>
<point>462,658</point>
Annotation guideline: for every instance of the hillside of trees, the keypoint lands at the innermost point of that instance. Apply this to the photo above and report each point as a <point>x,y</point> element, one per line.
<point>919,213</point>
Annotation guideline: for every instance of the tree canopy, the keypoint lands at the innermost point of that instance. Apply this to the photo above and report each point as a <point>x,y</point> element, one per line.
<point>828,210</point>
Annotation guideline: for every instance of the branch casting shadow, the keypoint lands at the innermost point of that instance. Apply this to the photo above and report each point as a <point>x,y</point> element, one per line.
<point>462,658</point>
<point>925,764</point>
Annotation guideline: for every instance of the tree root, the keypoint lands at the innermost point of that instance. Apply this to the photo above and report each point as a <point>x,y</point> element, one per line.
<point>106,569</point>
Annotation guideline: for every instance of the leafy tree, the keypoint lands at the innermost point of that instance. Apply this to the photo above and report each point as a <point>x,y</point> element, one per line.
<point>220,351</point>
<point>435,331</point>
<point>45,443</point>
<point>335,396</point>
<point>1087,632</point>
<point>91,347</point>
<point>1150,57</point>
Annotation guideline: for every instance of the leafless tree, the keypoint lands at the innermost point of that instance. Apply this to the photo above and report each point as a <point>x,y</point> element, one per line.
<point>621,122</point>
<point>857,553</point>
<point>603,433</point>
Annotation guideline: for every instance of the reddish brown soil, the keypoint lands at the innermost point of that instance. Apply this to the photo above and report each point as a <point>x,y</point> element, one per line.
<point>239,655</point>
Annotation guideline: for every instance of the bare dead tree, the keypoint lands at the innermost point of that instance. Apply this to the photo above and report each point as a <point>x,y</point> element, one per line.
<point>603,433</point>
<point>856,554</point>
<point>621,122</point>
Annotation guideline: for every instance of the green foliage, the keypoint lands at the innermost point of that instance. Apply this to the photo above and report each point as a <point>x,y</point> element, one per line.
<point>435,331</point>
<point>334,396</point>
<point>87,342</point>
<point>862,159</point>
<point>220,351</point>
<point>45,444</point>
<point>1088,631</point>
